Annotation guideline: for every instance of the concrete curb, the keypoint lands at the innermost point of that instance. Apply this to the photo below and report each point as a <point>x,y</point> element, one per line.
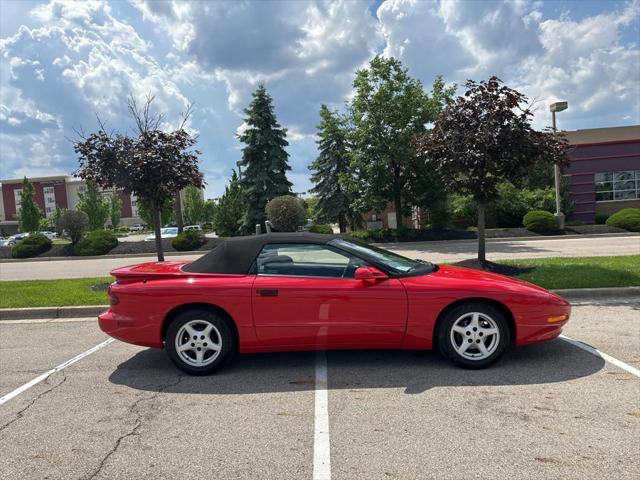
<point>51,312</point>
<point>599,293</point>
<point>95,310</point>
<point>101,257</point>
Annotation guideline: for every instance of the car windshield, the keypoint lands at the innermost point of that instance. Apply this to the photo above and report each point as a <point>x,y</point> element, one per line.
<point>390,260</point>
<point>169,231</point>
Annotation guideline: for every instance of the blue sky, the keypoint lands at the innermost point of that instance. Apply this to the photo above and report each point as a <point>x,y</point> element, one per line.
<point>65,62</point>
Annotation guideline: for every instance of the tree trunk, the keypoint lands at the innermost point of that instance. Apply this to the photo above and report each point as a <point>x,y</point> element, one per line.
<point>342,223</point>
<point>157,219</point>
<point>177,209</point>
<point>397,204</point>
<point>481,239</point>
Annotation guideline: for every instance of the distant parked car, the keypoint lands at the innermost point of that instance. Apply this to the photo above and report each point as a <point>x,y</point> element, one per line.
<point>138,227</point>
<point>49,235</point>
<point>13,239</point>
<point>4,243</point>
<point>193,227</point>
<point>168,232</point>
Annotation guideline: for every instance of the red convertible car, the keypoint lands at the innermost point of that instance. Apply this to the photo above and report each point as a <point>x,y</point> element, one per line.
<point>301,291</point>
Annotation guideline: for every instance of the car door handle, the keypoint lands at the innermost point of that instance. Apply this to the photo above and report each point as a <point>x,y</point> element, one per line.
<point>267,292</point>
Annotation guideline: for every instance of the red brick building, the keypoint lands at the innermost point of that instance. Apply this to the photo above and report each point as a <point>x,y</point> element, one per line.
<point>604,173</point>
<point>51,193</point>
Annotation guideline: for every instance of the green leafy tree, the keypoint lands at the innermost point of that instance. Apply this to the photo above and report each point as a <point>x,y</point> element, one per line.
<point>331,170</point>
<point>167,212</point>
<point>230,209</point>
<point>153,165</point>
<point>95,206</point>
<point>29,214</point>
<point>194,206</point>
<point>264,158</point>
<point>389,110</point>
<point>55,219</point>
<point>210,207</point>
<point>74,223</point>
<point>286,213</point>
<point>115,209</point>
<point>484,138</point>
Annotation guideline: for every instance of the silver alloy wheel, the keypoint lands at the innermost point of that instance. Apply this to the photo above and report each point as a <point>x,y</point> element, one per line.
<point>475,335</point>
<point>198,343</point>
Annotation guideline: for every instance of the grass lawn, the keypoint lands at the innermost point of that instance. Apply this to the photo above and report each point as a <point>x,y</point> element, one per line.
<point>60,241</point>
<point>52,293</point>
<point>581,272</point>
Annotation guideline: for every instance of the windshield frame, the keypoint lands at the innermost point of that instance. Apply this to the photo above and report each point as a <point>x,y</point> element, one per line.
<point>359,249</point>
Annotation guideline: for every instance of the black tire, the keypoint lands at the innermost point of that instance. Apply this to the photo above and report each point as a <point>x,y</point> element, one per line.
<point>221,334</point>
<point>489,318</point>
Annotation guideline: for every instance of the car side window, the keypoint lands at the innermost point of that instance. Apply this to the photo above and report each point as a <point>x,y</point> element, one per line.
<point>306,260</point>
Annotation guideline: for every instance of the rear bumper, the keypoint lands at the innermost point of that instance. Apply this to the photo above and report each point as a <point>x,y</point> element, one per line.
<point>129,330</point>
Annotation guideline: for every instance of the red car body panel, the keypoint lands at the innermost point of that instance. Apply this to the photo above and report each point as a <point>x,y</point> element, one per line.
<point>322,313</point>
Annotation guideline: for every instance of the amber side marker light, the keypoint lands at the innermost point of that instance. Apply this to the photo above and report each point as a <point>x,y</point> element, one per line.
<point>557,318</point>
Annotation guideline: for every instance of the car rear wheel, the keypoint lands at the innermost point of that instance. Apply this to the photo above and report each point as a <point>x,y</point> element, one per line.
<point>199,342</point>
<point>474,335</point>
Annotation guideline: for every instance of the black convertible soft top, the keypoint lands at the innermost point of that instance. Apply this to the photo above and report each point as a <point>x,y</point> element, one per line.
<point>235,255</point>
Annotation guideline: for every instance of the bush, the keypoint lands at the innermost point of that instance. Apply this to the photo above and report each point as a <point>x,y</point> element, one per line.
<point>540,221</point>
<point>627,218</point>
<point>286,213</point>
<point>34,244</point>
<point>188,240</point>
<point>601,218</point>
<point>74,222</point>
<point>319,228</point>
<point>97,242</point>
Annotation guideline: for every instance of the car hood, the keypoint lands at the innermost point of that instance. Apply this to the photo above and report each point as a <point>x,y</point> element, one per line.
<point>467,278</point>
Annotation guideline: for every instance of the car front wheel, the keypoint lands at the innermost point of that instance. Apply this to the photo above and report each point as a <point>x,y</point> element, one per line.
<point>474,335</point>
<point>199,342</point>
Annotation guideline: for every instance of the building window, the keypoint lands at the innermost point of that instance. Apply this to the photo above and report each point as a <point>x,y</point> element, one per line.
<point>17,196</point>
<point>616,186</point>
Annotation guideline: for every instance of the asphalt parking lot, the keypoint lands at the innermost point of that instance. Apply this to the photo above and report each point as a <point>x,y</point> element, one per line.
<point>546,411</point>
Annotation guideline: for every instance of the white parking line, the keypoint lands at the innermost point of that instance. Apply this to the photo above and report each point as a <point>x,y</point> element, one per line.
<point>604,356</point>
<point>321,444</point>
<point>45,375</point>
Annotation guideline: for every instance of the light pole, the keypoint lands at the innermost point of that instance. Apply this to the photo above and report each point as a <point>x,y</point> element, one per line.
<point>557,107</point>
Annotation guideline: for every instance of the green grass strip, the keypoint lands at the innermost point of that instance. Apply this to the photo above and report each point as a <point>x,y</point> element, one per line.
<point>581,272</point>
<point>52,293</point>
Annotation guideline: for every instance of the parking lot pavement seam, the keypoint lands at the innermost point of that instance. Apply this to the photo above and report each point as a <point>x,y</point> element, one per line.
<point>20,413</point>
<point>133,409</point>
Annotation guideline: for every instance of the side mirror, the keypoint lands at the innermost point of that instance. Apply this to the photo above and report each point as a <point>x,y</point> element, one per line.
<point>369,274</point>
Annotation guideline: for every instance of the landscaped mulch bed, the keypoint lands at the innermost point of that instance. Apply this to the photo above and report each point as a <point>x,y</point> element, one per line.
<point>123,248</point>
<point>510,270</point>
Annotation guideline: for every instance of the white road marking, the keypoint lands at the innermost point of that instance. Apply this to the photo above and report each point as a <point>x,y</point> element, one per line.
<point>604,356</point>
<point>45,375</point>
<point>321,443</point>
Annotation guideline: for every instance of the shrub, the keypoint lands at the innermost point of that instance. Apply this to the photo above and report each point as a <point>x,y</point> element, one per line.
<point>319,228</point>
<point>540,221</point>
<point>627,218</point>
<point>33,245</point>
<point>74,222</point>
<point>97,242</point>
<point>601,218</point>
<point>188,240</point>
<point>286,213</point>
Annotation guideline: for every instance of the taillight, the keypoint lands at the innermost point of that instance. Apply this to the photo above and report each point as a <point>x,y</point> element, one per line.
<point>113,298</point>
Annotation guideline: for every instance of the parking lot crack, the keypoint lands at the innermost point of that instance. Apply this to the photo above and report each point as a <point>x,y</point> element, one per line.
<point>137,410</point>
<point>24,410</point>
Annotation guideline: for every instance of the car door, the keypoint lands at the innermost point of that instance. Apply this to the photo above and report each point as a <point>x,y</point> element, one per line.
<point>305,294</point>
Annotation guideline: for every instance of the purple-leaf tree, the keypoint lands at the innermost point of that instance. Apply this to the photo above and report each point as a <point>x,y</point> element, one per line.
<point>484,138</point>
<point>152,164</point>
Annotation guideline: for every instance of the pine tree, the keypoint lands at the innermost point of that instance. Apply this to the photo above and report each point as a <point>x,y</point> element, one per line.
<point>264,159</point>
<point>29,214</point>
<point>331,169</point>
<point>230,210</point>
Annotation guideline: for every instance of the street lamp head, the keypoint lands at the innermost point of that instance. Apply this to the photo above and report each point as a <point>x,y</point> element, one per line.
<point>558,106</point>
